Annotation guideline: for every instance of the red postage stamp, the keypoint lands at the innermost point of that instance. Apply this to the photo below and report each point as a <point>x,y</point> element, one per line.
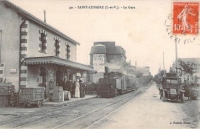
<point>185,18</point>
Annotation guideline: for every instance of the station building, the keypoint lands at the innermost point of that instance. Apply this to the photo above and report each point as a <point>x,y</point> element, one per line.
<point>33,53</point>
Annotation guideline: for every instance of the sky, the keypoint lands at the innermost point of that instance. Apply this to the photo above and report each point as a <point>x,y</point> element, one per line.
<point>140,29</point>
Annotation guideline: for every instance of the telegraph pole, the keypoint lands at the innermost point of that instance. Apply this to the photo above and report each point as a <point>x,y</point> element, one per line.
<point>0,45</point>
<point>45,16</point>
<point>163,60</point>
<point>164,64</point>
<point>176,57</point>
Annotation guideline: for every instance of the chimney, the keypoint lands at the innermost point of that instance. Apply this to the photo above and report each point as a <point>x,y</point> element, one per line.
<point>44,16</point>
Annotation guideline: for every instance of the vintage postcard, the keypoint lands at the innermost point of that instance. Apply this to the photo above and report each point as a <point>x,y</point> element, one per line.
<point>100,64</point>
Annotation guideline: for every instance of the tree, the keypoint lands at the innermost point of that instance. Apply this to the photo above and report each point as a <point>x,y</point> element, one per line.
<point>157,78</point>
<point>138,74</point>
<point>186,68</point>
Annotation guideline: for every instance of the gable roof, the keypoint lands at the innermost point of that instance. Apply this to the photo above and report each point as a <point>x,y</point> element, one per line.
<point>38,21</point>
<point>98,50</point>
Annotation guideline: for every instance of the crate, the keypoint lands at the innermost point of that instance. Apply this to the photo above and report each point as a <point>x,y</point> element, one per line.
<point>6,89</point>
<point>14,99</point>
<point>4,100</point>
<point>31,95</point>
<point>58,96</point>
<point>57,88</point>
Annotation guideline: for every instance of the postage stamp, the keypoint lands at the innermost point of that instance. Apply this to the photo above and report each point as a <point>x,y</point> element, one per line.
<point>185,18</point>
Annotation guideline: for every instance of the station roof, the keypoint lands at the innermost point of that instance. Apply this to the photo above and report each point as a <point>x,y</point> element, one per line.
<point>38,21</point>
<point>58,61</point>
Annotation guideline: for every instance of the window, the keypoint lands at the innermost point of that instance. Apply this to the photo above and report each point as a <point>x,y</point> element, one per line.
<point>57,47</point>
<point>68,49</point>
<point>43,41</point>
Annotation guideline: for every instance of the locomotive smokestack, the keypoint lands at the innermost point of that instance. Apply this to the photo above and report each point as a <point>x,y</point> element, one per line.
<point>106,72</point>
<point>44,16</point>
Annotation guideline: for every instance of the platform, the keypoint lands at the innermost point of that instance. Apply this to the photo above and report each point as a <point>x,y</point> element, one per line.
<point>68,101</point>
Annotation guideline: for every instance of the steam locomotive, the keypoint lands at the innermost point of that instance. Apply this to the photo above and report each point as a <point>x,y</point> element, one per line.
<point>115,83</point>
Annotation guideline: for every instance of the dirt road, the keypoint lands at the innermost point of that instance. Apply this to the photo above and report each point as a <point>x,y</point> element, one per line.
<point>147,111</point>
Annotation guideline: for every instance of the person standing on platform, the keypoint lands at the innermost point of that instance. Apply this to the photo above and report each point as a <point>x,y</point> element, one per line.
<point>68,85</point>
<point>82,89</point>
<point>77,89</point>
<point>71,87</point>
<point>65,84</point>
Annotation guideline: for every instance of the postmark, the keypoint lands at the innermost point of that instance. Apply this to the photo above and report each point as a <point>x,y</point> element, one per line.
<point>182,24</point>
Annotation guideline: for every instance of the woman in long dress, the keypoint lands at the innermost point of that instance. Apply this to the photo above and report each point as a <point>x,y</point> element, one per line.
<point>77,90</point>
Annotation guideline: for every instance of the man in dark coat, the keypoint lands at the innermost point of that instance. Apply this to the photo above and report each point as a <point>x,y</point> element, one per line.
<point>82,89</point>
<point>70,83</point>
<point>187,90</point>
<point>73,88</point>
<point>65,87</point>
<point>68,86</point>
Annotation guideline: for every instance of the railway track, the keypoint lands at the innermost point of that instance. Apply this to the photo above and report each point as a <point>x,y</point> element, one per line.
<point>35,119</point>
<point>74,120</point>
<point>98,121</point>
<point>39,113</point>
<point>103,111</point>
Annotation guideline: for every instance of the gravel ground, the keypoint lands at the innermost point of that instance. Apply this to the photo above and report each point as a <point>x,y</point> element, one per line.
<point>147,111</point>
<point>144,111</point>
<point>49,117</point>
<point>192,109</point>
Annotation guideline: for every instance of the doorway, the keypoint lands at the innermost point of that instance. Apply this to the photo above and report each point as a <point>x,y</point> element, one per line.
<point>59,78</point>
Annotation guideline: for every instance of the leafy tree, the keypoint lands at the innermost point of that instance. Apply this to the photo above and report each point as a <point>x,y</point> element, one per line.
<point>137,73</point>
<point>157,77</point>
<point>185,68</point>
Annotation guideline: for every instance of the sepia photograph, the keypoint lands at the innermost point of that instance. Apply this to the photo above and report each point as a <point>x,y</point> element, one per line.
<point>99,64</point>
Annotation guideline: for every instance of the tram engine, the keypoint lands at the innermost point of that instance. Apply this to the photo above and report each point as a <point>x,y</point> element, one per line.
<point>113,84</point>
<point>106,88</point>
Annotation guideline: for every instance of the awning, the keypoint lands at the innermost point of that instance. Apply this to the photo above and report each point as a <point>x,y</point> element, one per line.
<point>58,61</point>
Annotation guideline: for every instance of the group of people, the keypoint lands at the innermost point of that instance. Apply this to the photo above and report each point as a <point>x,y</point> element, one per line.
<point>76,88</point>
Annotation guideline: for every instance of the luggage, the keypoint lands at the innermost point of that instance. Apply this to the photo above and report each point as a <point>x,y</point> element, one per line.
<point>67,95</point>
<point>58,96</point>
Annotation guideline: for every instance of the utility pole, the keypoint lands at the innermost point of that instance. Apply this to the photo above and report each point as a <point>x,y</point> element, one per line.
<point>164,64</point>
<point>160,68</point>
<point>176,57</point>
<point>0,45</point>
<point>163,60</point>
<point>45,16</point>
